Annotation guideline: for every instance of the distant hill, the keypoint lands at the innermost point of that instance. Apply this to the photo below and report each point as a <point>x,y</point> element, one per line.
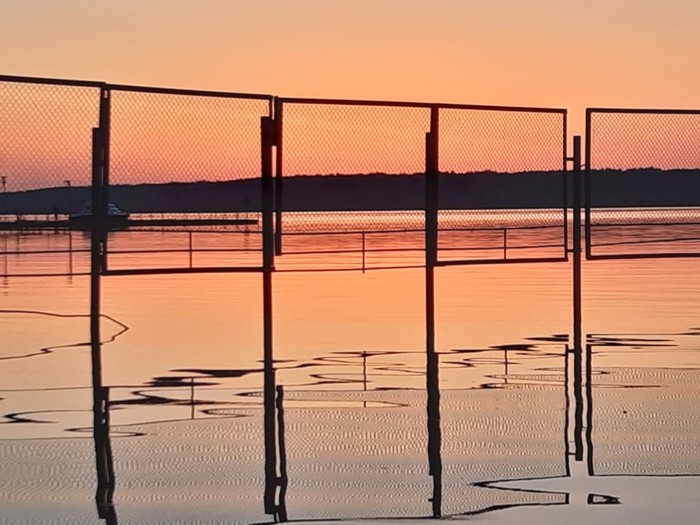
<point>484,190</point>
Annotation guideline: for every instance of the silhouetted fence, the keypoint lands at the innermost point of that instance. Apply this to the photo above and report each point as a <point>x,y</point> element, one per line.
<point>357,184</point>
<point>358,168</point>
<point>181,164</point>
<point>642,183</point>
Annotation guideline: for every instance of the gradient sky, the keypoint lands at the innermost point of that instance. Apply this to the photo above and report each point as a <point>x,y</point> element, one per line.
<point>557,53</point>
<point>547,53</point>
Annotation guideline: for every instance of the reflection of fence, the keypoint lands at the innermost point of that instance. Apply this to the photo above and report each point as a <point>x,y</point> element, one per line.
<point>642,183</point>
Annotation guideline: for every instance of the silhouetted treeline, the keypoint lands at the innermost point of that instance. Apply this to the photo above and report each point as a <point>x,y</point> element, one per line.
<point>484,190</point>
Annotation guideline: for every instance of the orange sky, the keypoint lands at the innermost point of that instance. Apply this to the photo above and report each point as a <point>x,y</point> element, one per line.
<point>626,53</point>
<point>539,52</point>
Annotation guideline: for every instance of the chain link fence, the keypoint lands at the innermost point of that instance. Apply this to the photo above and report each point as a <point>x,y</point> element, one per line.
<point>351,179</point>
<point>642,183</point>
<point>502,184</point>
<point>183,166</point>
<point>351,182</point>
<point>350,186</point>
<point>186,163</point>
<point>45,173</point>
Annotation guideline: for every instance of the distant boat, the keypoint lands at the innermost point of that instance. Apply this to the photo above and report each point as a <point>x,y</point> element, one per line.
<point>116,218</point>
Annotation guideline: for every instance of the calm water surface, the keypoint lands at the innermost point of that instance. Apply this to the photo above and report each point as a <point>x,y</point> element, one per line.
<point>182,358</point>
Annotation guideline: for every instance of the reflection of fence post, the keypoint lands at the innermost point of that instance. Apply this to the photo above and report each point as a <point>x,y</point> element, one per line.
<point>589,409</point>
<point>266,136</point>
<point>281,507</point>
<point>104,496</point>
<point>432,385</point>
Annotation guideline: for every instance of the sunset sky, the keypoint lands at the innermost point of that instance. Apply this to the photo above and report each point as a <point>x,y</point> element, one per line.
<point>553,53</point>
<point>537,52</point>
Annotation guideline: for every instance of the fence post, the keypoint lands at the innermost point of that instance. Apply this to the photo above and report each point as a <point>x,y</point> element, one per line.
<point>278,175</point>
<point>431,238</point>
<point>577,241</point>
<point>103,187</point>
<point>266,138</point>
<point>576,250</point>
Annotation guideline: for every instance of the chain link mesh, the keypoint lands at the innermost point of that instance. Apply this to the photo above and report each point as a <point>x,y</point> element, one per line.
<point>186,157</point>
<point>204,148</point>
<point>354,179</point>
<point>45,173</point>
<point>644,183</point>
<point>354,169</point>
<point>502,188</point>
<point>45,145</point>
<point>343,158</point>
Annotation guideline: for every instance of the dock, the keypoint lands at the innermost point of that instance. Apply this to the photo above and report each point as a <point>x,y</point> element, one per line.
<point>65,224</point>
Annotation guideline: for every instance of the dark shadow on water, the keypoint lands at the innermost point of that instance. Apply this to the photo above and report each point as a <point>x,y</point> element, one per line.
<point>50,349</point>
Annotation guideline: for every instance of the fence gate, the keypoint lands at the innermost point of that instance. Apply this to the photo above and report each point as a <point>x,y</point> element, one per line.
<point>502,188</point>
<point>45,173</point>
<point>186,166</point>
<point>642,183</point>
<point>352,188</point>
<point>350,183</point>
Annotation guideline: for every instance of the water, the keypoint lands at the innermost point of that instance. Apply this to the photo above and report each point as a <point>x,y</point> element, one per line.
<point>182,357</point>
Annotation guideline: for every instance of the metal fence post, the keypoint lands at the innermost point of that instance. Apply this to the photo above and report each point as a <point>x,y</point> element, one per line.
<point>577,241</point>
<point>431,239</point>
<point>278,105</point>
<point>576,250</point>
<point>266,138</point>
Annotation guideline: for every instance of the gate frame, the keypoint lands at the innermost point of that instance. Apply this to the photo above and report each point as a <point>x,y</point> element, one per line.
<point>587,179</point>
<point>431,167</point>
<point>264,144</point>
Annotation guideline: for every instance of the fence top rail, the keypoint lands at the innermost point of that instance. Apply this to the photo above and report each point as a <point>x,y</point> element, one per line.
<point>648,111</point>
<point>127,87</point>
<point>188,92</point>
<point>52,81</point>
<point>406,104</point>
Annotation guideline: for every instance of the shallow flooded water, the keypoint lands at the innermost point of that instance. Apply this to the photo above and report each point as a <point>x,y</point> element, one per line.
<point>525,430</point>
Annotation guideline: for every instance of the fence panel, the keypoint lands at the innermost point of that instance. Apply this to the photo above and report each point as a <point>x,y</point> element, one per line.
<point>642,183</point>
<point>350,184</point>
<point>502,188</point>
<point>45,173</point>
<point>186,167</point>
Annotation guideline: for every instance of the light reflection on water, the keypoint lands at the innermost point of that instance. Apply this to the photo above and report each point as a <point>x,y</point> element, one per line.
<point>185,394</point>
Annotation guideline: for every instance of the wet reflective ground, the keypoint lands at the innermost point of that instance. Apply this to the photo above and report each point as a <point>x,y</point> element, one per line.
<point>510,422</point>
<point>354,444</point>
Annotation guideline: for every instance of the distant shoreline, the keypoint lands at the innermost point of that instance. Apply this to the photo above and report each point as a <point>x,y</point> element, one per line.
<point>375,192</point>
